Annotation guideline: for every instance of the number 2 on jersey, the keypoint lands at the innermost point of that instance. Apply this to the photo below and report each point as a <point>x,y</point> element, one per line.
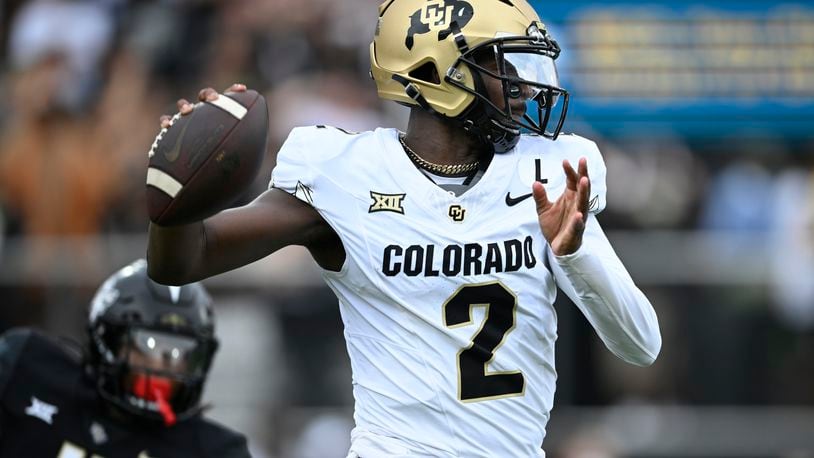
<point>474,382</point>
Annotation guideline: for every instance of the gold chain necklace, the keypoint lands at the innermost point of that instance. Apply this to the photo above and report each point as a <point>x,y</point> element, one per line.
<point>449,170</point>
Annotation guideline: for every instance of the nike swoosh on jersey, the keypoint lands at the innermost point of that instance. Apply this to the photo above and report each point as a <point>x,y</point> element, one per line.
<point>512,201</point>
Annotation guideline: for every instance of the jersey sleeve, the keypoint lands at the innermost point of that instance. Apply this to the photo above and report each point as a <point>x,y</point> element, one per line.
<point>597,173</point>
<point>293,173</point>
<point>595,279</point>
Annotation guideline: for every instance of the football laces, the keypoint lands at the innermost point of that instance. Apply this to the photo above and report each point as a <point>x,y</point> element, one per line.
<point>164,130</point>
<point>161,134</point>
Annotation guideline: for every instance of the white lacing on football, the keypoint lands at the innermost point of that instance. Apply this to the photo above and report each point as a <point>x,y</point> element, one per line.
<point>161,133</point>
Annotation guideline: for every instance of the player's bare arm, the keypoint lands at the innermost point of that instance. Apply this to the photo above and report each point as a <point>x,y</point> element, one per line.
<point>236,237</point>
<point>563,221</point>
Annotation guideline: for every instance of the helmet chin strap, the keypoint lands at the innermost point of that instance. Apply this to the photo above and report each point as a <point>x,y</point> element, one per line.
<point>476,120</point>
<point>480,120</point>
<point>487,130</point>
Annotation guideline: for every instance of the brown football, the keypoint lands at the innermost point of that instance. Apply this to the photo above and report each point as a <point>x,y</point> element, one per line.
<point>207,159</point>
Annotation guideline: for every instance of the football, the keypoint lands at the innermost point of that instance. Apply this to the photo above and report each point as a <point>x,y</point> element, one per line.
<point>204,161</point>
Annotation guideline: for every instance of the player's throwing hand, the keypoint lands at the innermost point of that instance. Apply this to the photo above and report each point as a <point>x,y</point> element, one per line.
<point>205,95</point>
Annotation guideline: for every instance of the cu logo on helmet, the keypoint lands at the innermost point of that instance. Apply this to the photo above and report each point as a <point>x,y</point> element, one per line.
<point>438,14</point>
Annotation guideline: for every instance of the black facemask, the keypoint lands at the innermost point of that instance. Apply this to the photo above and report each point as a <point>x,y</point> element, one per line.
<point>525,68</point>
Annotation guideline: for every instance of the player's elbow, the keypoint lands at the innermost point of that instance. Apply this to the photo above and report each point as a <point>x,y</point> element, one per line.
<point>643,360</point>
<point>648,350</point>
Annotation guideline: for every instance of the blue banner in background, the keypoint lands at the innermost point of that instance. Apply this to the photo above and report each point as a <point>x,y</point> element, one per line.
<point>713,69</point>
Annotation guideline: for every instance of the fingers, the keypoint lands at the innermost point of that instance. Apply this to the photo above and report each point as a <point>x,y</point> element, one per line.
<point>184,107</point>
<point>579,182</point>
<point>204,95</point>
<point>165,121</point>
<point>207,95</point>
<point>583,191</point>
<point>571,177</point>
<point>237,87</point>
<point>540,197</point>
<point>583,167</point>
<point>583,171</point>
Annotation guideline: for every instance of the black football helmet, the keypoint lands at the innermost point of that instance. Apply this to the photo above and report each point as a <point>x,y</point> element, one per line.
<point>151,345</point>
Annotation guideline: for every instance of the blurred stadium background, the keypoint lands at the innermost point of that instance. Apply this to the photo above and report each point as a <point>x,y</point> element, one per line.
<point>704,112</point>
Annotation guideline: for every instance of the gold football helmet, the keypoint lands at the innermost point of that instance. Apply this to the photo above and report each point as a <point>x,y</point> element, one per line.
<point>436,54</point>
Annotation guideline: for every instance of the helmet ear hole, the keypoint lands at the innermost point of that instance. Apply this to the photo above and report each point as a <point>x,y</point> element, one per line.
<point>427,73</point>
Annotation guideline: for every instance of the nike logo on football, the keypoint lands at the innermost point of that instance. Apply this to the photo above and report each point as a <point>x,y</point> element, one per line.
<point>172,155</point>
<point>512,201</point>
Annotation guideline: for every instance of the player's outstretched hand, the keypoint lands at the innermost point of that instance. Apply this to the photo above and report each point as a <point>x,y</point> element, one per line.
<point>563,221</point>
<point>204,95</point>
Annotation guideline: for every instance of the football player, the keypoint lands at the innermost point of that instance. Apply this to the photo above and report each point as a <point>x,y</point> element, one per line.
<point>444,244</point>
<point>136,391</point>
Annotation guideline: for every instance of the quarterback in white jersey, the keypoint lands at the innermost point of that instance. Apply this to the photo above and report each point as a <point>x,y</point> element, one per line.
<point>444,244</point>
<point>447,300</point>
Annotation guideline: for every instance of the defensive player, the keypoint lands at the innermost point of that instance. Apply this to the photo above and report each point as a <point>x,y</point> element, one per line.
<point>445,267</point>
<point>134,395</point>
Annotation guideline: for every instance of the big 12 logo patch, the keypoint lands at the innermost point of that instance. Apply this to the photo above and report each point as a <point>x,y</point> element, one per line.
<point>438,15</point>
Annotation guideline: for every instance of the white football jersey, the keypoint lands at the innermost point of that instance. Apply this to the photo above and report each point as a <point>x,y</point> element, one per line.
<point>446,301</point>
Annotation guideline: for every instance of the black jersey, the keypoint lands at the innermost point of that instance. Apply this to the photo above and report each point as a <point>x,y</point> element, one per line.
<point>50,408</point>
